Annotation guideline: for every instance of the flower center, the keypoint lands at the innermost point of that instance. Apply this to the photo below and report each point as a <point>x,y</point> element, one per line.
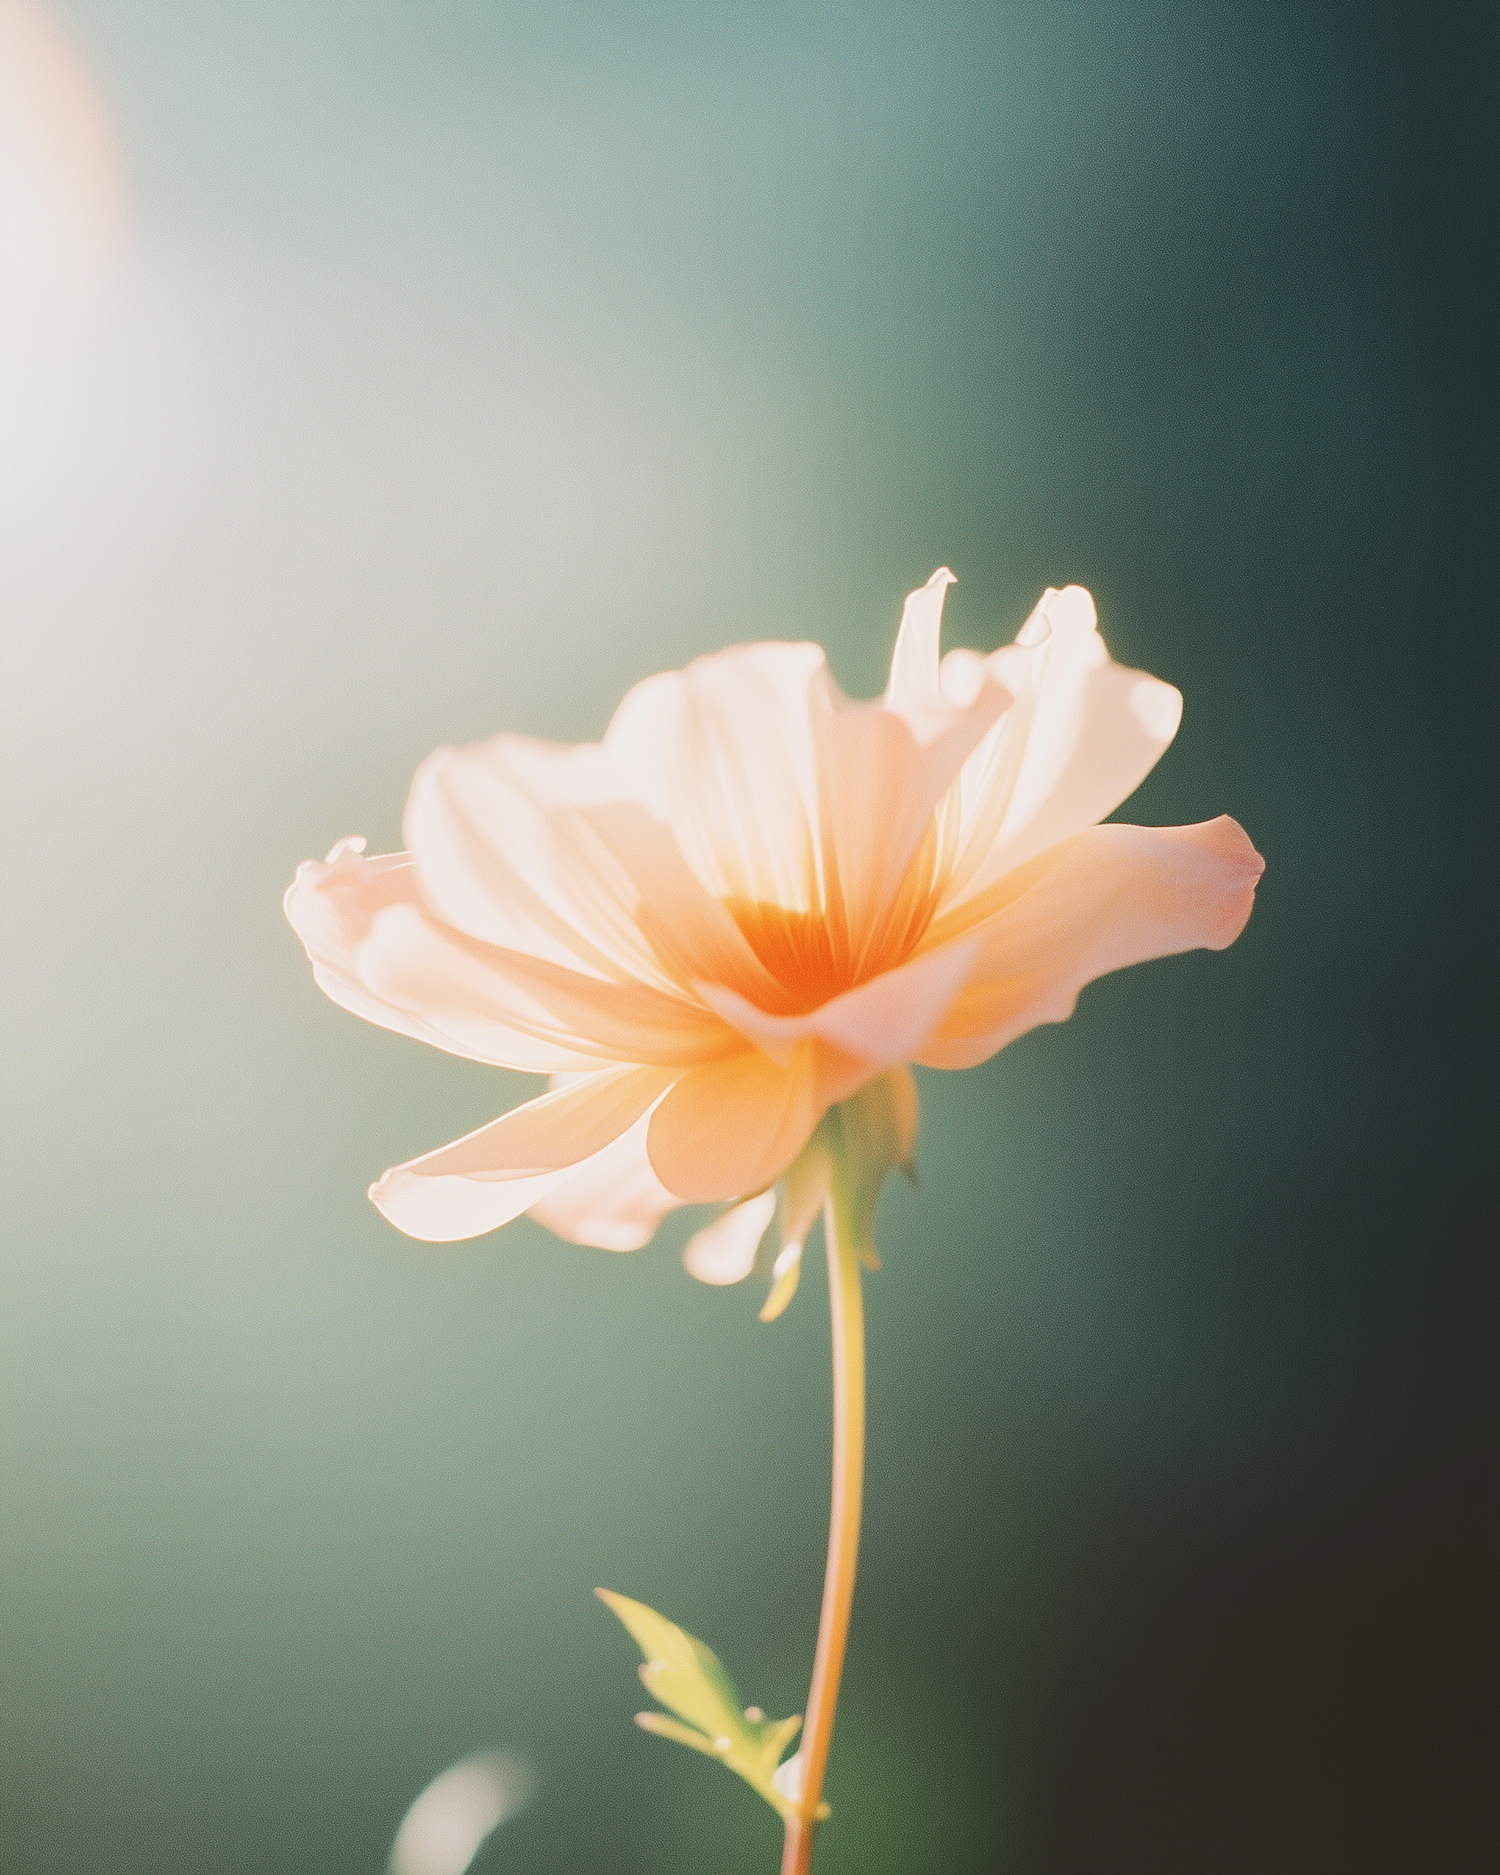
<point>799,950</point>
<point>811,955</point>
<point>814,956</point>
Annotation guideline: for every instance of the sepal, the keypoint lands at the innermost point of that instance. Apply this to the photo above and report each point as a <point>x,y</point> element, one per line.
<point>872,1135</point>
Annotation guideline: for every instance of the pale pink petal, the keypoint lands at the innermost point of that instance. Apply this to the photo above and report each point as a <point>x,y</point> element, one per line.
<point>418,963</point>
<point>490,1176</point>
<point>883,775</point>
<point>724,1251</point>
<point>883,1022</point>
<point>334,905</point>
<point>613,1201</point>
<point>885,766</point>
<point>915,687</point>
<point>780,790</point>
<point>540,848</point>
<point>507,854</point>
<point>1082,735</point>
<point>377,949</point>
<point>734,1126</point>
<point>723,753</point>
<point>1110,896</point>
<point>448,1210</point>
<point>690,932</point>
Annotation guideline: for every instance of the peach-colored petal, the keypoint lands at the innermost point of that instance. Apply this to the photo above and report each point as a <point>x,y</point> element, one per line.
<point>780,790</point>
<point>613,1201</point>
<point>539,848</point>
<point>417,962</point>
<point>507,855</point>
<point>1081,736</point>
<point>724,1251</point>
<point>495,1173</point>
<point>915,687</point>
<point>1110,896</point>
<point>883,1022</point>
<point>690,932</point>
<point>723,753</point>
<point>882,780</point>
<point>335,904</point>
<point>886,765</point>
<point>734,1126</point>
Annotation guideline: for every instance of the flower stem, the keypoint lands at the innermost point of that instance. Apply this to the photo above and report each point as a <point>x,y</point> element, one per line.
<point>847,1309</point>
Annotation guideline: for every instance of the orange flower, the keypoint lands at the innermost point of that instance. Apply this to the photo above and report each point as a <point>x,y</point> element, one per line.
<point>754,899</point>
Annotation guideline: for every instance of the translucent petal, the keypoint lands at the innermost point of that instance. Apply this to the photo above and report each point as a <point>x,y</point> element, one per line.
<point>1109,897</point>
<point>724,1251</point>
<point>495,1173</point>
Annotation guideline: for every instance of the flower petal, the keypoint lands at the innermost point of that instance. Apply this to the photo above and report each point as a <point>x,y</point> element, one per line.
<point>335,905</point>
<point>723,753</point>
<point>415,962</point>
<point>734,1126</point>
<point>493,1174</point>
<point>915,686</point>
<point>780,790</point>
<point>883,1022</point>
<point>1110,896</point>
<point>885,766</point>
<point>724,1251</point>
<point>1082,735</point>
<point>507,854</point>
<point>613,1201</point>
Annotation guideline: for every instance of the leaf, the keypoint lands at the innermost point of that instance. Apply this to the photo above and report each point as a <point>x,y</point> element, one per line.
<point>689,1680</point>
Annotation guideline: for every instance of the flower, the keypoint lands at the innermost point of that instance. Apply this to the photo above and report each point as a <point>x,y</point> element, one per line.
<point>754,901</point>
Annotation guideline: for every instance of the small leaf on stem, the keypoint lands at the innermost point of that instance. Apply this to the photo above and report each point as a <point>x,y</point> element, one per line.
<point>689,1680</point>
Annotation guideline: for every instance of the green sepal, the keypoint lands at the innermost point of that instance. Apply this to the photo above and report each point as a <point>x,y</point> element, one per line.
<point>871,1135</point>
<point>689,1680</point>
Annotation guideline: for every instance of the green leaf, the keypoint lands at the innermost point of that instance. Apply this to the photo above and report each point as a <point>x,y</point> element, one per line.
<point>689,1680</point>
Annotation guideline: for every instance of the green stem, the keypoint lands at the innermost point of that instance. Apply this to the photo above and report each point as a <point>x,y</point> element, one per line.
<point>847,1308</point>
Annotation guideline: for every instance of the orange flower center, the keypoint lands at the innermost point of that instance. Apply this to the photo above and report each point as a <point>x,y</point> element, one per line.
<point>798,948</point>
<point>813,956</point>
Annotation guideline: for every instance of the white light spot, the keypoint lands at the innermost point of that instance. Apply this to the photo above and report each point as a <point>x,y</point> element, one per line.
<point>787,1778</point>
<point>443,1829</point>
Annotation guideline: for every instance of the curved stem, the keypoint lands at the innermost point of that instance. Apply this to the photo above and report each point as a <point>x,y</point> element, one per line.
<point>847,1309</point>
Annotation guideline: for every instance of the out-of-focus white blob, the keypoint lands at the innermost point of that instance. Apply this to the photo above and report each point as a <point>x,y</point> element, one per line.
<point>81,405</point>
<point>62,216</point>
<point>103,367</point>
<point>442,1831</point>
<point>788,1777</point>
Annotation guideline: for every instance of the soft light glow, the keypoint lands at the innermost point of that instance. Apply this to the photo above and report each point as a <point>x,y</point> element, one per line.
<point>442,1832</point>
<point>61,202</point>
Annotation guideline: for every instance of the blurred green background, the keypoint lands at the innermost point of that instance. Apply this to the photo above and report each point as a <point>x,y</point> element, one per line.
<point>460,365</point>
